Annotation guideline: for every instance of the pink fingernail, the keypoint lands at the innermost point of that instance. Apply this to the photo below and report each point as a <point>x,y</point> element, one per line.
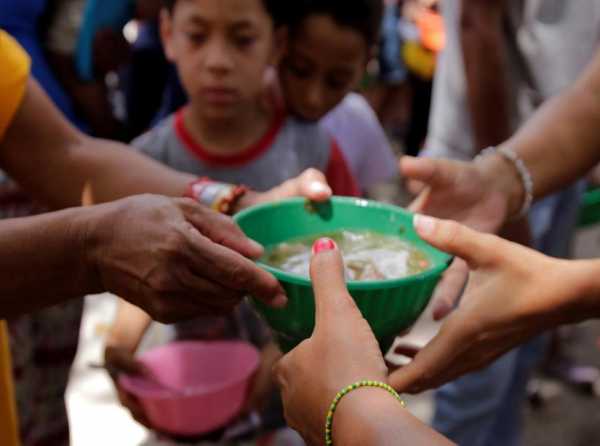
<point>323,244</point>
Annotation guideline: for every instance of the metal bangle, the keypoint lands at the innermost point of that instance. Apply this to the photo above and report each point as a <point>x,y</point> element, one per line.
<point>524,175</point>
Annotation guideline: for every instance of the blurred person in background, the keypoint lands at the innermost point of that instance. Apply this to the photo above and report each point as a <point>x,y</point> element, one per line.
<point>423,34</point>
<point>329,45</point>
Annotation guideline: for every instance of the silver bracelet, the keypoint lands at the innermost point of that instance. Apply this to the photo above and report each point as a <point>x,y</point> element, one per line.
<point>524,175</point>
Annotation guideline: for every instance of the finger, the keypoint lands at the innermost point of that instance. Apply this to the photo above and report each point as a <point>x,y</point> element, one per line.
<point>221,229</point>
<point>209,293</point>
<point>432,363</point>
<point>122,362</point>
<point>171,307</point>
<point>449,289</point>
<point>233,271</point>
<point>449,236</point>
<point>313,185</point>
<point>415,187</point>
<point>419,204</point>
<point>327,275</point>
<point>135,408</point>
<point>432,172</point>
<point>410,351</point>
<point>401,355</point>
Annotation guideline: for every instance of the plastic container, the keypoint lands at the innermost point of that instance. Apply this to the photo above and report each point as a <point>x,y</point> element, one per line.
<point>204,385</point>
<point>390,306</point>
<point>589,213</point>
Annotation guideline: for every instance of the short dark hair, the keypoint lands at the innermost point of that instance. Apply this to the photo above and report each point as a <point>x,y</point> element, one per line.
<point>274,8</point>
<point>363,16</point>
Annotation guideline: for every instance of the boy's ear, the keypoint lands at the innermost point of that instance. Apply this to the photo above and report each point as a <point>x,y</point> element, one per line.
<point>166,34</point>
<point>280,46</point>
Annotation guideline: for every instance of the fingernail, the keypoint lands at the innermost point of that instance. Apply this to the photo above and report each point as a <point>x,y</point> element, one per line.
<point>317,187</point>
<point>424,225</point>
<point>323,244</point>
<point>256,245</point>
<point>280,301</point>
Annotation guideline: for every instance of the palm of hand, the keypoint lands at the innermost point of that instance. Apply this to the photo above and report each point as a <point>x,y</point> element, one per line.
<point>465,196</point>
<point>500,309</point>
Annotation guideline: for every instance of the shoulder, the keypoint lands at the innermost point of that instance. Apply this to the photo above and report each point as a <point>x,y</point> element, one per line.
<point>353,115</point>
<point>310,141</point>
<point>307,135</point>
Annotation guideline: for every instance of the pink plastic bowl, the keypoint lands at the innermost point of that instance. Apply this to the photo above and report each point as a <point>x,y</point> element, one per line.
<point>213,377</point>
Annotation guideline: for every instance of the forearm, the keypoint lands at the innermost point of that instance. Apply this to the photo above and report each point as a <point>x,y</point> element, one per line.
<point>373,417</point>
<point>486,70</point>
<point>561,142</point>
<point>43,261</point>
<point>57,164</point>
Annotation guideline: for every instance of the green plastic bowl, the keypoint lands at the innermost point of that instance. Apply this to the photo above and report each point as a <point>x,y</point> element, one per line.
<point>390,306</point>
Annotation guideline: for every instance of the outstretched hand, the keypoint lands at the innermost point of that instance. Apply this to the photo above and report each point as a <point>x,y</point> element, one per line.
<point>341,350</point>
<point>458,191</point>
<point>513,294</point>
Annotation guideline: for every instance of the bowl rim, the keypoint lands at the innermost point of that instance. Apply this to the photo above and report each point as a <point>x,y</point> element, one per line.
<point>126,380</point>
<point>353,285</point>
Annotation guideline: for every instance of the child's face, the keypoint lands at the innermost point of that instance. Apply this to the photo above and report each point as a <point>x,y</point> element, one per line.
<point>325,61</point>
<point>222,49</point>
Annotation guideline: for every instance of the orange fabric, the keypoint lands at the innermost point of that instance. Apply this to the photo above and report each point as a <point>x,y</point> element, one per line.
<point>14,72</point>
<point>9,435</point>
<point>431,28</point>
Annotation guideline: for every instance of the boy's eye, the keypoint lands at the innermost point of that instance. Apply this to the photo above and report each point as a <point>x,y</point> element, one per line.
<point>196,38</point>
<point>244,41</point>
<point>298,71</point>
<point>337,84</point>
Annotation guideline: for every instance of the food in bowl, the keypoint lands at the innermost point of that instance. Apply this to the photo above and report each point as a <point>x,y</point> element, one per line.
<point>368,255</point>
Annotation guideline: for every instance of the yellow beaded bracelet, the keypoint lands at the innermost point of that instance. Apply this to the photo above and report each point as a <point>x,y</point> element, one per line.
<point>345,391</point>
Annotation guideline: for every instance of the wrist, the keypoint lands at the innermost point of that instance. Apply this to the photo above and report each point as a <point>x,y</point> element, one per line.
<point>583,302</point>
<point>85,235</point>
<point>503,177</point>
<point>363,416</point>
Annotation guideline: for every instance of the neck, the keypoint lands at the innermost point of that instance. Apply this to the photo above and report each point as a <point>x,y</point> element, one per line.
<point>231,135</point>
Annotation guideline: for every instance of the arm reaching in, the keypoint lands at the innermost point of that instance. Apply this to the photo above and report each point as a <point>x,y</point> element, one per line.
<point>502,306</point>
<point>346,351</point>
<point>172,257</point>
<point>558,145</point>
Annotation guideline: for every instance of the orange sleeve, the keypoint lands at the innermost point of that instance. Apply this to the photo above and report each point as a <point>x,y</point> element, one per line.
<point>339,176</point>
<point>9,424</point>
<point>14,73</point>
